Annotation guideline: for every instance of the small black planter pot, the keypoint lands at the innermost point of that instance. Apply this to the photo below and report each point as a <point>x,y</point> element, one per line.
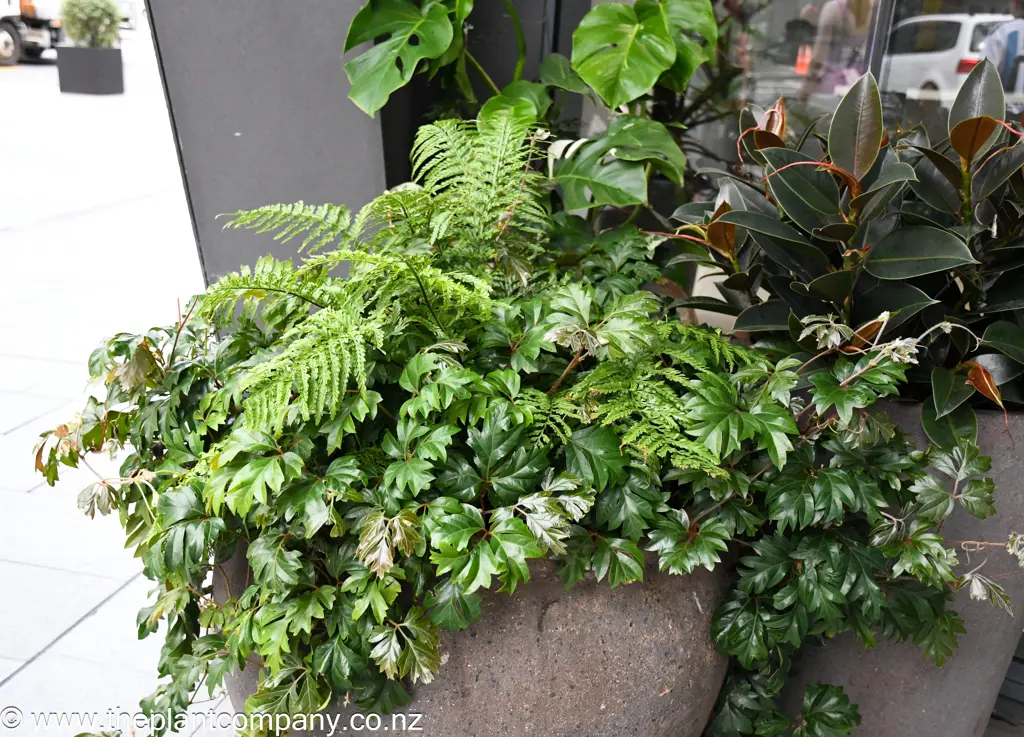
<point>90,71</point>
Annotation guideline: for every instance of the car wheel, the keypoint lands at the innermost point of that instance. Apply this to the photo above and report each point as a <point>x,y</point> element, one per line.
<point>10,45</point>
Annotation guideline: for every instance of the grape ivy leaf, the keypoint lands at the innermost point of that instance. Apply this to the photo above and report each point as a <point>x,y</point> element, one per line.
<point>593,455</point>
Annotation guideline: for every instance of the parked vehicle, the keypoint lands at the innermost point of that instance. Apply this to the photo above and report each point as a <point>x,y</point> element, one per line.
<point>929,56</point>
<point>28,28</point>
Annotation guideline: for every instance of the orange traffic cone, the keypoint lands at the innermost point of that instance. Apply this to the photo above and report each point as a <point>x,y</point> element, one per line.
<point>803,61</point>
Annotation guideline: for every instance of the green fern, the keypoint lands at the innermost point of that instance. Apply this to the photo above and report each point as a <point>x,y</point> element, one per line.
<point>321,225</point>
<point>271,281</point>
<point>640,396</point>
<point>485,177</point>
<point>702,347</point>
<point>321,357</point>
<point>554,416</point>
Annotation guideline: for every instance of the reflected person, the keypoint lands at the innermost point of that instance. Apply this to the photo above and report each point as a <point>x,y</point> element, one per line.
<point>842,31</point>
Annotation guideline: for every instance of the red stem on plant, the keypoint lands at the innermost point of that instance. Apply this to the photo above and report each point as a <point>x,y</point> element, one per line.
<point>568,369</point>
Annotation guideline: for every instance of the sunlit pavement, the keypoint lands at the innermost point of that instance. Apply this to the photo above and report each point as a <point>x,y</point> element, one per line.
<point>94,239</point>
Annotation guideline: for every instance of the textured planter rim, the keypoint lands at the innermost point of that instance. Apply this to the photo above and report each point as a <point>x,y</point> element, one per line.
<point>900,693</point>
<point>487,687</point>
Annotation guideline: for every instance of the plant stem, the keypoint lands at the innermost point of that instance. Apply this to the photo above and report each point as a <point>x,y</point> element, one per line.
<point>482,72</point>
<point>426,298</point>
<point>966,206</point>
<point>568,370</point>
<point>520,40</point>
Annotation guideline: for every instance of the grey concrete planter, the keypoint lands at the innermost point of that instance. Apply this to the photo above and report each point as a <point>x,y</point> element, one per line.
<point>90,71</point>
<point>636,660</point>
<point>901,694</point>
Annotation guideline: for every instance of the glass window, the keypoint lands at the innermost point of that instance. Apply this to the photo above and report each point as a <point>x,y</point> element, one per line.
<point>924,37</point>
<point>981,32</point>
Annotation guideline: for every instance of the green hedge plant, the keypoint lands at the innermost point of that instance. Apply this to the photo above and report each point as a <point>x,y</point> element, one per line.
<point>92,23</point>
<point>484,389</point>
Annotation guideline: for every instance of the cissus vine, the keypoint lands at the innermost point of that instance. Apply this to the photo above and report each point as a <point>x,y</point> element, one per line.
<point>385,446</point>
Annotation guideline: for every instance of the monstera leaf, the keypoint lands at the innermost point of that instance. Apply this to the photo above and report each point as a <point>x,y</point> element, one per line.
<point>621,51</point>
<point>687,20</point>
<point>414,34</point>
<point>611,168</point>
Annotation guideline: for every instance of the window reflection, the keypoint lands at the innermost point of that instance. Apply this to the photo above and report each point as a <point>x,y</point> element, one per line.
<point>810,52</point>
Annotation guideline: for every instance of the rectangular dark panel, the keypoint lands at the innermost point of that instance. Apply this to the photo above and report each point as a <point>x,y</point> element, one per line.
<point>257,92</point>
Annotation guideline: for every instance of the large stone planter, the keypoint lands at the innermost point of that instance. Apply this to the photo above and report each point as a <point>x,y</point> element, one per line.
<point>636,660</point>
<point>900,693</point>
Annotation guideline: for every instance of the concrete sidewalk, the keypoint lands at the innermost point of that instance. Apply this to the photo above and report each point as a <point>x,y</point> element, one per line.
<point>95,239</point>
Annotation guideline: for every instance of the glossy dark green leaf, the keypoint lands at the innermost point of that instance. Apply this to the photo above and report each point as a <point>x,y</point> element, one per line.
<point>1005,295</point>
<point>765,317</point>
<point>707,303</point>
<point>593,455</point>
<point>413,34</point>
<point>903,301</point>
<point>808,196</point>
<point>783,243</point>
<point>980,95</point>
<point>557,71</point>
<point>996,172</point>
<point>949,390</point>
<point>960,424</point>
<point>896,173</point>
<point>855,135</point>
<point>933,187</point>
<point>826,711</point>
<point>1006,337</point>
<point>948,168</point>
<point>915,251</point>
<point>620,52</point>
<point>836,231</point>
<point>835,286</point>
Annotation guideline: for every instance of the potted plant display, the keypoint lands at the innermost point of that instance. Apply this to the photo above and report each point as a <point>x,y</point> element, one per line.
<point>490,478</point>
<point>853,236</point>
<point>92,64</point>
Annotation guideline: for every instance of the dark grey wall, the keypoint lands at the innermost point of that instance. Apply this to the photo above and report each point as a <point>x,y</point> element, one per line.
<point>257,93</point>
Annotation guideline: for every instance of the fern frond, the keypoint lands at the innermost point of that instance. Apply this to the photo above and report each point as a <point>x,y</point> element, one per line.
<point>321,358</point>
<point>553,417</point>
<point>484,175</point>
<point>320,225</point>
<point>271,281</point>
<point>442,153</point>
<point>703,347</point>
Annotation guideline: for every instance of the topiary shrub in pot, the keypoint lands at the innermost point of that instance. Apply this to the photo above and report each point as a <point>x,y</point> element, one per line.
<point>853,238</point>
<point>92,65</point>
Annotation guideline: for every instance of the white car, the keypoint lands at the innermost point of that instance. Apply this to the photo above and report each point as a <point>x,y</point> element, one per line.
<point>929,56</point>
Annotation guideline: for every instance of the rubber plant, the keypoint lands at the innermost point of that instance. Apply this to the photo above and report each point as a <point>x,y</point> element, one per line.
<point>636,61</point>
<point>862,223</point>
<point>384,447</point>
<point>851,240</point>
